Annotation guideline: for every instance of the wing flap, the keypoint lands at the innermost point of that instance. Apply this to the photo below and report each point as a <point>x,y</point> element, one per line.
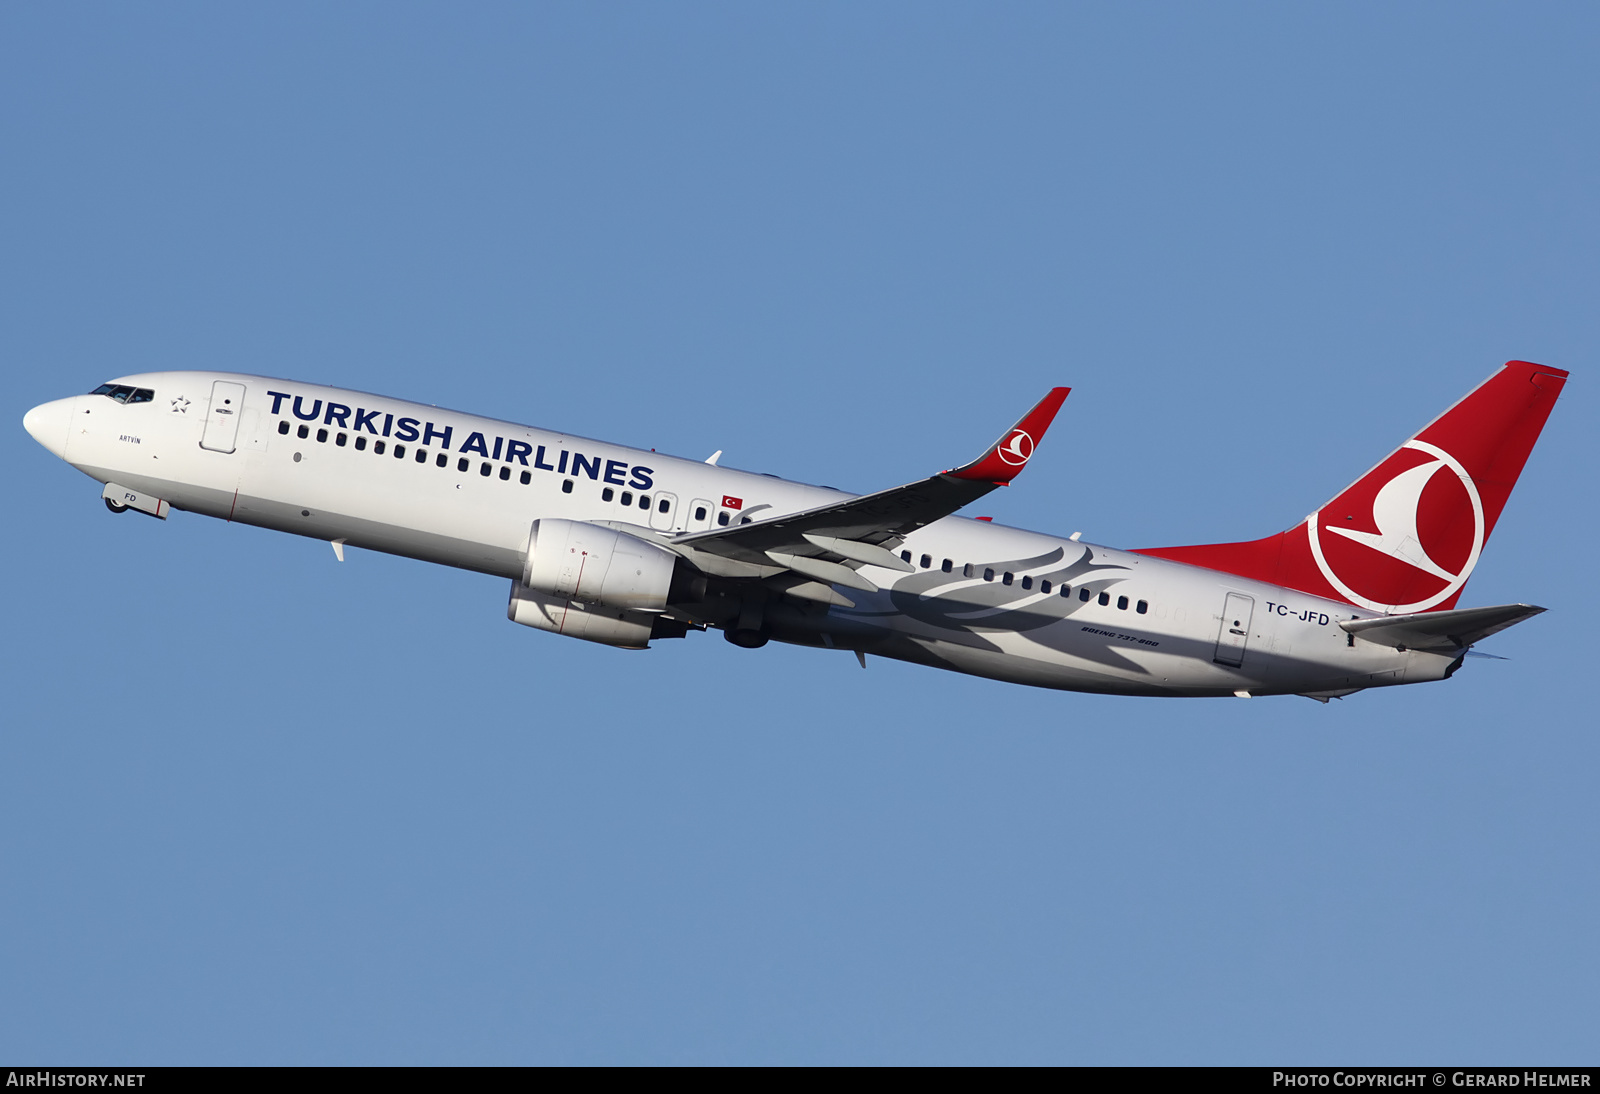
<point>868,554</point>
<point>832,573</point>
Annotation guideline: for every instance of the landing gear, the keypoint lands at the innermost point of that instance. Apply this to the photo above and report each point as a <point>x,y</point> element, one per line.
<point>114,507</point>
<point>750,631</point>
<point>747,638</point>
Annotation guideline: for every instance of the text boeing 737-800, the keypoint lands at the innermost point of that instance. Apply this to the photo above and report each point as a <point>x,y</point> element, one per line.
<point>621,546</point>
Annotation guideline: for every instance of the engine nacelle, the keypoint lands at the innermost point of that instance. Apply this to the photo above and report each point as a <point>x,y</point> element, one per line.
<point>576,619</point>
<point>574,560</point>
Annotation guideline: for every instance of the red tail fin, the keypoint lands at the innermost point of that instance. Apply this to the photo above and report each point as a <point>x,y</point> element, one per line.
<point>1405,536</point>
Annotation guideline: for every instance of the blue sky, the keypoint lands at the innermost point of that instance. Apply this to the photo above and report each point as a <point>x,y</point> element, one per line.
<point>260,807</point>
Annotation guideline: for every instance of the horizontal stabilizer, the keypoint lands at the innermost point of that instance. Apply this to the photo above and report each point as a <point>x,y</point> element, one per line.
<point>1440,632</point>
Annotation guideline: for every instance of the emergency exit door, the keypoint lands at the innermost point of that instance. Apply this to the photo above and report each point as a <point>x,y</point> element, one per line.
<point>222,420</point>
<point>700,512</point>
<point>663,511</point>
<point>1235,630</point>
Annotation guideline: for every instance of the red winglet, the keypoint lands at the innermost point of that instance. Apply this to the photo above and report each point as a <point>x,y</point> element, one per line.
<point>1010,454</point>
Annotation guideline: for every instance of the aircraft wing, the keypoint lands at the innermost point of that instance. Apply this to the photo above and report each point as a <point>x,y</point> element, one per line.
<point>1440,632</point>
<point>831,542</point>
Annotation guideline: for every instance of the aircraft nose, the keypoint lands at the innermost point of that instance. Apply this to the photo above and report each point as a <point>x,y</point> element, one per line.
<point>49,422</point>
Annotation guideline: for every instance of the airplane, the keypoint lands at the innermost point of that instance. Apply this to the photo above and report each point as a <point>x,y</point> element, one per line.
<point>624,547</point>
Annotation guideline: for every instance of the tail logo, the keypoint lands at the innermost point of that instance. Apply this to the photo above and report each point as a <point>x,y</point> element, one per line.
<point>1016,449</point>
<point>1430,564</point>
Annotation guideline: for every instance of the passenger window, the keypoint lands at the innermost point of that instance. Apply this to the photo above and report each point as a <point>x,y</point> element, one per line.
<point>303,432</point>
<point>462,464</point>
<point>1142,607</point>
<point>443,460</point>
<point>905,556</point>
<point>505,474</point>
<point>1066,590</point>
<point>361,443</point>
<point>1044,586</point>
<point>422,455</point>
<point>607,494</point>
<point>377,446</point>
<point>1027,583</point>
<point>1122,603</point>
<point>663,506</point>
<point>722,518</point>
<point>700,512</point>
<point>1084,595</point>
<point>399,451</point>
<point>966,571</point>
<point>644,502</point>
<point>1006,580</point>
<point>486,470</point>
<point>927,561</point>
<point>627,496</point>
<point>988,575</point>
<point>948,566</point>
<point>527,477</point>
<point>744,520</point>
<point>322,436</point>
<point>342,439</point>
<point>1105,598</point>
<point>566,486</point>
<point>283,428</point>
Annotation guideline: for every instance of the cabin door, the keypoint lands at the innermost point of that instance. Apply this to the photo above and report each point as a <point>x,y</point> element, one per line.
<point>222,421</point>
<point>1235,629</point>
<point>664,512</point>
<point>700,512</point>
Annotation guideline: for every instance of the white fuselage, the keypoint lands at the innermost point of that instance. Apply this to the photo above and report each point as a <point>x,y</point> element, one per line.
<point>464,491</point>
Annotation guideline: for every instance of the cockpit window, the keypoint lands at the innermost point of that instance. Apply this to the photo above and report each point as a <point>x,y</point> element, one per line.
<point>123,393</point>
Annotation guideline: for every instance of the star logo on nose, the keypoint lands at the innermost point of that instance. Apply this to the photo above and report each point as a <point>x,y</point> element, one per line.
<point>180,405</point>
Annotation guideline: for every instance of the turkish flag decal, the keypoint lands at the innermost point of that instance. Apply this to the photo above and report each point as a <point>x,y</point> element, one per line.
<point>732,503</point>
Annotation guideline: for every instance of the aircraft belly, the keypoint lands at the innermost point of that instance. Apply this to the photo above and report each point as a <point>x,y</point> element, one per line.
<point>1093,653</point>
<point>1036,658</point>
<point>375,504</point>
<point>206,500</point>
<point>1009,667</point>
<point>374,535</point>
<point>502,559</point>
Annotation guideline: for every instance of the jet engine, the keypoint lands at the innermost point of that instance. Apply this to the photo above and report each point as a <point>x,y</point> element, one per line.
<point>575,619</point>
<point>585,581</point>
<point>573,560</point>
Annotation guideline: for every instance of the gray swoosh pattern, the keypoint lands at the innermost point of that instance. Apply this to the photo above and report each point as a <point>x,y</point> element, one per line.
<point>957,603</point>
